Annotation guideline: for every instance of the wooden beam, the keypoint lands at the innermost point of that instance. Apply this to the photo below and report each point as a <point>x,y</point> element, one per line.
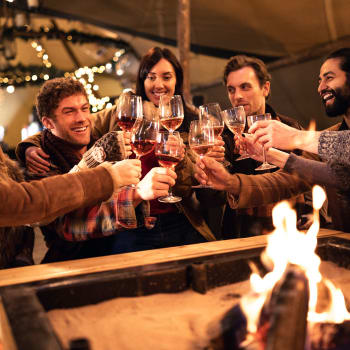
<point>184,44</point>
<point>309,54</point>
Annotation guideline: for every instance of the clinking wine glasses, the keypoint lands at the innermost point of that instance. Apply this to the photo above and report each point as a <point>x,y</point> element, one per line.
<point>144,136</point>
<point>201,139</point>
<point>171,112</point>
<point>168,151</point>
<point>235,120</point>
<point>129,110</point>
<point>251,119</point>
<point>212,112</point>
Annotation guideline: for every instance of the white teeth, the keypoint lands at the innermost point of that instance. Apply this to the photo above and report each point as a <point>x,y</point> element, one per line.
<point>159,93</point>
<point>80,129</point>
<point>327,96</point>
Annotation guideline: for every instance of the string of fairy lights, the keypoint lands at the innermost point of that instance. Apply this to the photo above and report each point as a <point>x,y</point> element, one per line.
<point>18,76</point>
<point>86,75</point>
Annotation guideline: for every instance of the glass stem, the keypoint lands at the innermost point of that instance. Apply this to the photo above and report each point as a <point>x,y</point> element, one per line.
<point>264,155</point>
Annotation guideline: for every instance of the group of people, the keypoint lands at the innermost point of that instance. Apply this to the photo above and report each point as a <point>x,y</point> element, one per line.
<point>81,199</point>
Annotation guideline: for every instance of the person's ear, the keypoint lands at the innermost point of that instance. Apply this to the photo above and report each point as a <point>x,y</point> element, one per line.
<point>266,88</point>
<point>47,122</point>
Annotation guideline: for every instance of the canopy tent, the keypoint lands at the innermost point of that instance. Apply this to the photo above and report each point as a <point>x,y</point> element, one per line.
<point>291,37</point>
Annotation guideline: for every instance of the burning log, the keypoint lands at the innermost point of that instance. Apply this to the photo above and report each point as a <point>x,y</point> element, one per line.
<point>287,312</point>
<point>330,336</point>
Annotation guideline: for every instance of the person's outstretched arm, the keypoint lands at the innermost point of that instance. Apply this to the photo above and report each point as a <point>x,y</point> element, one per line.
<point>30,202</point>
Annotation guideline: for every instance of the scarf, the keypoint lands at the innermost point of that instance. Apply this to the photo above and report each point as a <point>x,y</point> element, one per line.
<point>62,153</point>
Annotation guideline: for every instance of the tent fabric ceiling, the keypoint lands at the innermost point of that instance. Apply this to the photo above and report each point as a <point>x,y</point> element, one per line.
<point>269,28</point>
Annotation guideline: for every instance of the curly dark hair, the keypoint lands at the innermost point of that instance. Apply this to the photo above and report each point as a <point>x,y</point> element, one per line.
<point>53,92</point>
<point>240,61</point>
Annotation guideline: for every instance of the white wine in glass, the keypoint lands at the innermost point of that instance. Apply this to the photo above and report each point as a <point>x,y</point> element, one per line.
<point>251,119</point>
<point>235,120</point>
<point>171,112</point>
<point>201,140</point>
<point>212,112</point>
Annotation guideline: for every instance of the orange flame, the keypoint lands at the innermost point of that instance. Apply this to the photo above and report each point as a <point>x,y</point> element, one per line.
<point>288,245</point>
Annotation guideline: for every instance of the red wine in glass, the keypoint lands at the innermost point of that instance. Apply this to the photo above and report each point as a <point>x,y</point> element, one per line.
<point>141,147</point>
<point>167,161</point>
<point>125,123</point>
<point>168,151</point>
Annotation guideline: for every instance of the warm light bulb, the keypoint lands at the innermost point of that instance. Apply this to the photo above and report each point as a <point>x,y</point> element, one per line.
<point>10,89</point>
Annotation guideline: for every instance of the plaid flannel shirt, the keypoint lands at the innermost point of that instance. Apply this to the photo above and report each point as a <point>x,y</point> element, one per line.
<point>102,220</point>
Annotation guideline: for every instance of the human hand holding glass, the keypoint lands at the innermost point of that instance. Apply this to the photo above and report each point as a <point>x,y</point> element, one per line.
<point>171,112</point>
<point>201,139</point>
<point>251,119</point>
<point>169,150</point>
<point>235,120</point>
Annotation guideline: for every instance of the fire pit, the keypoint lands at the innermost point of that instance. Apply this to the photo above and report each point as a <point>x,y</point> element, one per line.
<point>24,307</point>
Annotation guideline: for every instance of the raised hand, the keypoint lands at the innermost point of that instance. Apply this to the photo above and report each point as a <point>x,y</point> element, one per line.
<point>210,172</point>
<point>126,172</point>
<point>37,160</point>
<point>248,145</point>
<point>218,151</point>
<point>156,183</point>
<point>127,143</point>
<point>273,133</point>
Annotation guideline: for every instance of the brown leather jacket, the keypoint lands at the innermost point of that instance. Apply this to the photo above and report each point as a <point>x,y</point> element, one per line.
<point>30,202</point>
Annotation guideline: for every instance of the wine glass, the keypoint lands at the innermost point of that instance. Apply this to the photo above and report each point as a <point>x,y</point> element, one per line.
<point>235,120</point>
<point>129,110</point>
<point>171,112</point>
<point>168,151</point>
<point>251,119</point>
<point>144,136</point>
<point>201,139</point>
<point>212,112</point>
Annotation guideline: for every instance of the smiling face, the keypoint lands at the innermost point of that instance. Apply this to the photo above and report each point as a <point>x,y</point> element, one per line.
<point>161,80</point>
<point>71,121</point>
<point>243,89</point>
<point>333,88</point>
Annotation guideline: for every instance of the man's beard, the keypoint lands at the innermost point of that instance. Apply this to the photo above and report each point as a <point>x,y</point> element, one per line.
<point>341,102</point>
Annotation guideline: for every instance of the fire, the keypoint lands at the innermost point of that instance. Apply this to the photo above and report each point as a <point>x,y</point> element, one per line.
<point>286,245</point>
